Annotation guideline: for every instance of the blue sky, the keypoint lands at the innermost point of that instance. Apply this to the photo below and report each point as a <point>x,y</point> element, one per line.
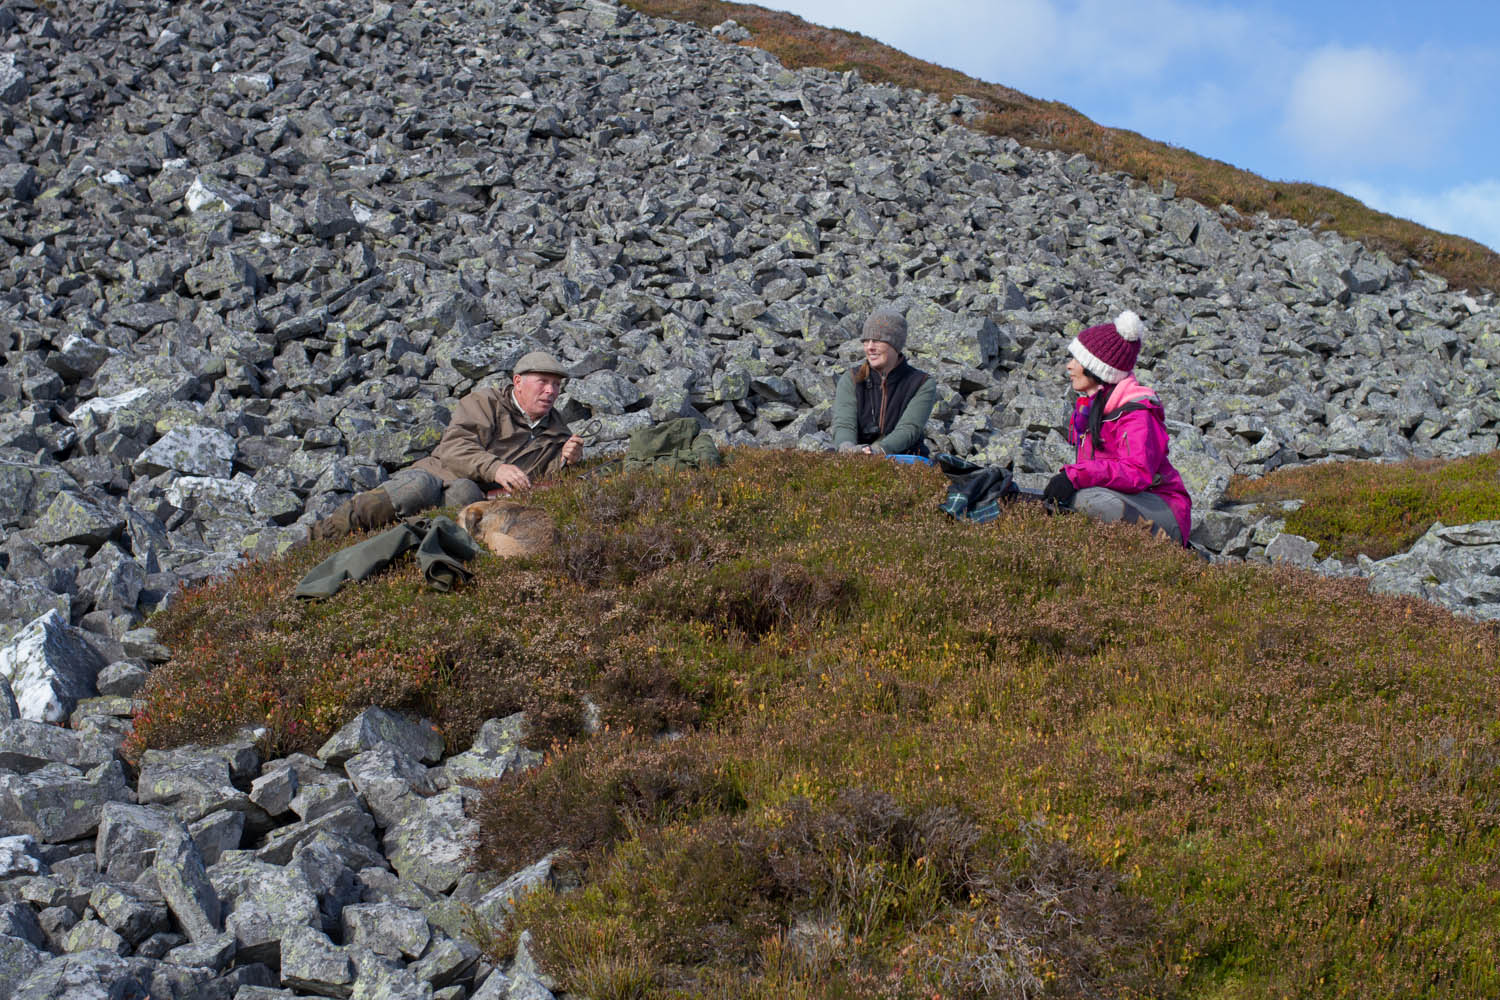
<point>1396,104</point>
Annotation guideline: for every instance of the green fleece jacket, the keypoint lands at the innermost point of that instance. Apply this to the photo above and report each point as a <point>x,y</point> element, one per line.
<point>902,439</point>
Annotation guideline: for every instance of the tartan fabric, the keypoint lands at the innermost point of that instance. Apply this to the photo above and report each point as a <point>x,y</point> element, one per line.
<point>976,494</point>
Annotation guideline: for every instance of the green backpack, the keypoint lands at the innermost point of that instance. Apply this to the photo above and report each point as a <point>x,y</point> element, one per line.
<point>674,444</point>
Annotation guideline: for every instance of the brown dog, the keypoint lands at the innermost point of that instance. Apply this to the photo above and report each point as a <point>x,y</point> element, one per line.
<point>508,527</point>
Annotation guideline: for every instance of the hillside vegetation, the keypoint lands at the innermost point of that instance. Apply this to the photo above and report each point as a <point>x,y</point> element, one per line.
<point>851,748</point>
<point>1378,508</point>
<point>1053,125</point>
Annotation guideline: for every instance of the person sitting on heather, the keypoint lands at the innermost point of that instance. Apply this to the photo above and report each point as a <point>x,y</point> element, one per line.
<point>881,407</point>
<point>1121,472</point>
<point>500,439</point>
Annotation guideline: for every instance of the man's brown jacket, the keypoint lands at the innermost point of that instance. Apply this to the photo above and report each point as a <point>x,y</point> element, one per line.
<point>489,430</point>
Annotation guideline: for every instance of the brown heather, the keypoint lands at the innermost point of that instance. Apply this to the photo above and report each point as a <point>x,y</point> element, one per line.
<point>855,749</point>
<point>1052,125</point>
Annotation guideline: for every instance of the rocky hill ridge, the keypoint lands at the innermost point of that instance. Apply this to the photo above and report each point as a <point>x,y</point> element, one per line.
<point>255,254</point>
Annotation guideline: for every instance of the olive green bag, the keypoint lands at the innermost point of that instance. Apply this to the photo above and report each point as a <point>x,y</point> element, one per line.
<point>673,444</point>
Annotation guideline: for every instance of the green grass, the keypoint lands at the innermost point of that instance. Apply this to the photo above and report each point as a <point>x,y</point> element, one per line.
<point>1053,125</point>
<point>1378,508</point>
<point>910,757</point>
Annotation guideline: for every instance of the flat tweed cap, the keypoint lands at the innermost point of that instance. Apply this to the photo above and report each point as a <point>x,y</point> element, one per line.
<point>540,361</point>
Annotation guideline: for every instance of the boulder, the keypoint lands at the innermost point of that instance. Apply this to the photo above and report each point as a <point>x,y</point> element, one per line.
<point>417,738</point>
<point>57,803</point>
<point>49,666</point>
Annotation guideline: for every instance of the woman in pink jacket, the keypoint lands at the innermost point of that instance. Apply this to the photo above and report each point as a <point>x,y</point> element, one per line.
<point>1121,472</point>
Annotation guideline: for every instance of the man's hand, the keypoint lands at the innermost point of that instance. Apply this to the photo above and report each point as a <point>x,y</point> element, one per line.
<point>510,478</point>
<point>572,450</point>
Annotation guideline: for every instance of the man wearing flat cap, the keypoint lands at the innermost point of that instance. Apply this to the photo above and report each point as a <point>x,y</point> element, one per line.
<point>501,438</point>
<point>882,406</point>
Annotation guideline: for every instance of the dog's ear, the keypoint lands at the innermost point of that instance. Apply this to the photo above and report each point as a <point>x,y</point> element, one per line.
<point>470,516</point>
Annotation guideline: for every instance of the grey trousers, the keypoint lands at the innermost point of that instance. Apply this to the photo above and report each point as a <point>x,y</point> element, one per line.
<point>414,490</point>
<point>1104,504</point>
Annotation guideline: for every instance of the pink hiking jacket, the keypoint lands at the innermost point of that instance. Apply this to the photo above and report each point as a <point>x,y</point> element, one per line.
<point>1133,458</point>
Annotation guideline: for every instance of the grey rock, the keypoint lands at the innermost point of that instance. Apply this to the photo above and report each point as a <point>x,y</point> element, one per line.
<point>90,975</point>
<point>274,789</point>
<point>496,906</point>
<point>20,855</point>
<point>50,666</point>
<point>417,738</point>
<point>58,803</point>
<point>14,86</point>
<point>311,963</point>
<point>1293,550</point>
<point>184,882</point>
<point>125,911</point>
<point>387,929</point>
<point>445,961</point>
<point>218,832</point>
<point>19,959</point>
<point>143,644</point>
<point>496,751</point>
<point>428,845</point>
<point>94,935</point>
<point>26,746</point>
<point>390,781</point>
<point>128,836</point>
<point>191,783</point>
<point>19,920</point>
<point>122,678</point>
<point>10,709</point>
<point>211,953</point>
<point>192,451</point>
<point>76,519</point>
<point>262,904</point>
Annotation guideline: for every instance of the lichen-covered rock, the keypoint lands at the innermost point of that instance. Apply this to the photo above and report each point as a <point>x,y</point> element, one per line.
<point>78,519</point>
<point>390,781</point>
<point>49,666</point>
<point>18,960</point>
<point>191,783</point>
<point>183,879</point>
<point>20,855</point>
<point>89,975</point>
<point>496,906</point>
<point>123,909</point>
<point>261,903</point>
<point>191,451</point>
<point>418,738</point>
<point>128,837</point>
<point>58,803</point>
<point>496,752</point>
<point>26,746</point>
<point>311,963</point>
<point>429,844</point>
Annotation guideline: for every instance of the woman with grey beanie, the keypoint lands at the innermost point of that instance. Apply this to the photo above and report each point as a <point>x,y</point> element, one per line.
<point>882,406</point>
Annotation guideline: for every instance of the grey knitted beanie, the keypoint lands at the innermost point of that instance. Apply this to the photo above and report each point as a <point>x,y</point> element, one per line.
<point>887,326</point>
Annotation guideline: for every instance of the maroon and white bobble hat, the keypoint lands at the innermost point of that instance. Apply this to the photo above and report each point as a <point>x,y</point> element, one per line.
<point>1108,351</point>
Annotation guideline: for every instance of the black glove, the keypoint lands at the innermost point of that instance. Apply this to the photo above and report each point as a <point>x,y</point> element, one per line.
<point>1060,489</point>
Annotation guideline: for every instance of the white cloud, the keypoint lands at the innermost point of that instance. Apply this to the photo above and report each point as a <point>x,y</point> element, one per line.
<point>1471,210</point>
<point>1359,106</point>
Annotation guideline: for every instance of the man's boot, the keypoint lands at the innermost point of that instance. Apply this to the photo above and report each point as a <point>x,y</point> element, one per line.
<point>361,512</point>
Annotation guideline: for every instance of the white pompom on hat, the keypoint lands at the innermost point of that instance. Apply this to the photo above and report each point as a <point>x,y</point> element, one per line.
<point>1108,351</point>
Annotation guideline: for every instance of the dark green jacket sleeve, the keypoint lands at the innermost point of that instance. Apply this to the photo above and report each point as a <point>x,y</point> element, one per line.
<point>442,548</point>
<point>845,412</point>
<point>912,427</point>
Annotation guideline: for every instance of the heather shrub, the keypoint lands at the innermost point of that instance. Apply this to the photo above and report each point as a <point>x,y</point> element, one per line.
<point>1378,508</point>
<point>857,749</point>
<point>591,795</point>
